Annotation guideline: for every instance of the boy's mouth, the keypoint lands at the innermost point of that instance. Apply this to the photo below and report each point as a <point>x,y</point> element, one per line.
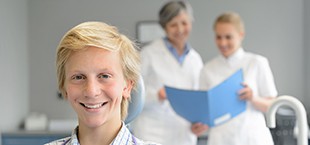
<point>93,106</point>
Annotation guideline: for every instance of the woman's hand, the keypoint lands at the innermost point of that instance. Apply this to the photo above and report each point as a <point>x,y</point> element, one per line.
<point>246,93</point>
<point>162,94</point>
<point>199,128</point>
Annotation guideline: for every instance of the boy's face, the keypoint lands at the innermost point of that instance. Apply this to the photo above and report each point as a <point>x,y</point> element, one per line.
<point>95,85</point>
<point>228,38</point>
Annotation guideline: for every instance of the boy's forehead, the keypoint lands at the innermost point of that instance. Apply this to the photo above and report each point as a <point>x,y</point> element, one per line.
<point>94,56</point>
<point>87,50</point>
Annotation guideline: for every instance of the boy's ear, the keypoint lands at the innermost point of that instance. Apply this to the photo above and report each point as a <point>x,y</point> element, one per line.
<point>127,89</point>
<point>242,35</point>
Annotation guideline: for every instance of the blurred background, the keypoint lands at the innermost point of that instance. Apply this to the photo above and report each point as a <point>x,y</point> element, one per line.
<point>31,29</point>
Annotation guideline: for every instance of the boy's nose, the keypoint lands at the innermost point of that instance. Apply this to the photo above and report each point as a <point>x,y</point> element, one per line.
<point>92,88</point>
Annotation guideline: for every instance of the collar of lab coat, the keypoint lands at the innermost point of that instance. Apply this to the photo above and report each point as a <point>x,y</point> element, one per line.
<point>173,50</point>
<point>235,57</point>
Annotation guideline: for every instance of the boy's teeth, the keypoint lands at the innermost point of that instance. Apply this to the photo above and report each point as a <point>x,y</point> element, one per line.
<point>93,106</point>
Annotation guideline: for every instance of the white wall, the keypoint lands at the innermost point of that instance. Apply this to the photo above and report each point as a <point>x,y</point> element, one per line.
<point>273,29</point>
<point>14,74</point>
<point>307,49</point>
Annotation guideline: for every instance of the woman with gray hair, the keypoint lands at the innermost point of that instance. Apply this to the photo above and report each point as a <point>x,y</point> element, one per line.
<point>173,62</point>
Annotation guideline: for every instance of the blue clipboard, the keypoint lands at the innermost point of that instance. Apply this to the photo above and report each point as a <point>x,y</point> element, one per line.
<point>212,107</point>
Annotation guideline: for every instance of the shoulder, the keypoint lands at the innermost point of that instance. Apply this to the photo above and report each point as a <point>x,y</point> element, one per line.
<point>257,59</point>
<point>214,62</point>
<point>153,46</point>
<point>124,136</point>
<point>62,141</point>
<point>194,53</point>
<point>194,59</point>
<point>141,142</point>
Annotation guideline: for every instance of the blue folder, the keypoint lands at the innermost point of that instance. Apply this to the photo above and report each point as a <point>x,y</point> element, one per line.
<point>213,107</point>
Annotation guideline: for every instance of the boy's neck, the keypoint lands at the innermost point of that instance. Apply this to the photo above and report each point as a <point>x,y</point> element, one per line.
<point>102,135</point>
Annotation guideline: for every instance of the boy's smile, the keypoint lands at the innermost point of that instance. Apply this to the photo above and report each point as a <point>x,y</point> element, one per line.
<point>95,85</point>
<point>93,106</point>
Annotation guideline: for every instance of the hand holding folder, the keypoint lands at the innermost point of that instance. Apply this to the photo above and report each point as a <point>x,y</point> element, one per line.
<point>212,107</point>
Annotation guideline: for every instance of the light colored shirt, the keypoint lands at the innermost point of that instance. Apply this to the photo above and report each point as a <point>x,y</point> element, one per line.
<point>249,128</point>
<point>179,58</point>
<point>124,137</point>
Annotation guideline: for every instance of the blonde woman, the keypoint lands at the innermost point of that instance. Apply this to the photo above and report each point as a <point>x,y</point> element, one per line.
<point>259,90</point>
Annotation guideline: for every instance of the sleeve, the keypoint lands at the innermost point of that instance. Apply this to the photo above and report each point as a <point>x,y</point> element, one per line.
<point>265,79</point>
<point>203,81</point>
<point>199,66</point>
<point>152,84</point>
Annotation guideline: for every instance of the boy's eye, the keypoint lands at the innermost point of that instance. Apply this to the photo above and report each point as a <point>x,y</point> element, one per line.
<point>104,76</point>
<point>78,77</point>
<point>228,37</point>
<point>218,37</point>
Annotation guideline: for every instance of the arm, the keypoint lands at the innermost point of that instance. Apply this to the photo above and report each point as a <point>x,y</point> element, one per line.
<point>203,80</point>
<point>260,103</point>
<point>152,84</point>
<point>265,87</point>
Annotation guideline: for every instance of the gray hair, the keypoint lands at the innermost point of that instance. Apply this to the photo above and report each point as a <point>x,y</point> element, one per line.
<point>172,9</point>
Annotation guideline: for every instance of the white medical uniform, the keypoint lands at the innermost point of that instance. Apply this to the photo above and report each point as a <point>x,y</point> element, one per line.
<point>158,122</point>
<point>249,128</point>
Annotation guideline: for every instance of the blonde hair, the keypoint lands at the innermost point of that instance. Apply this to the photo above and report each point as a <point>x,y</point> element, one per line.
<point>231,18</point>
<point>104,36</point>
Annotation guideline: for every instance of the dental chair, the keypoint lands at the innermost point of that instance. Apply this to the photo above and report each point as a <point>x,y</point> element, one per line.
<point>137,102</point>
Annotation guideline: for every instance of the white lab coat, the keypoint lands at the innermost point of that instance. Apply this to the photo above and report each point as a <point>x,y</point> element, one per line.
<point>158,122</point>
<point>249,128</point>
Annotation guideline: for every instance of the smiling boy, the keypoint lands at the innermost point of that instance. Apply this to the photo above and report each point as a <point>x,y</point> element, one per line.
<point>97,67</point>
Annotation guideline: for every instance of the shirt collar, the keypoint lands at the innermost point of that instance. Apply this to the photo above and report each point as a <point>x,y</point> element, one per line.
<point>172,49</point>
<point>232,59</point>
<point>123,136</point>
<point>74,139</point>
